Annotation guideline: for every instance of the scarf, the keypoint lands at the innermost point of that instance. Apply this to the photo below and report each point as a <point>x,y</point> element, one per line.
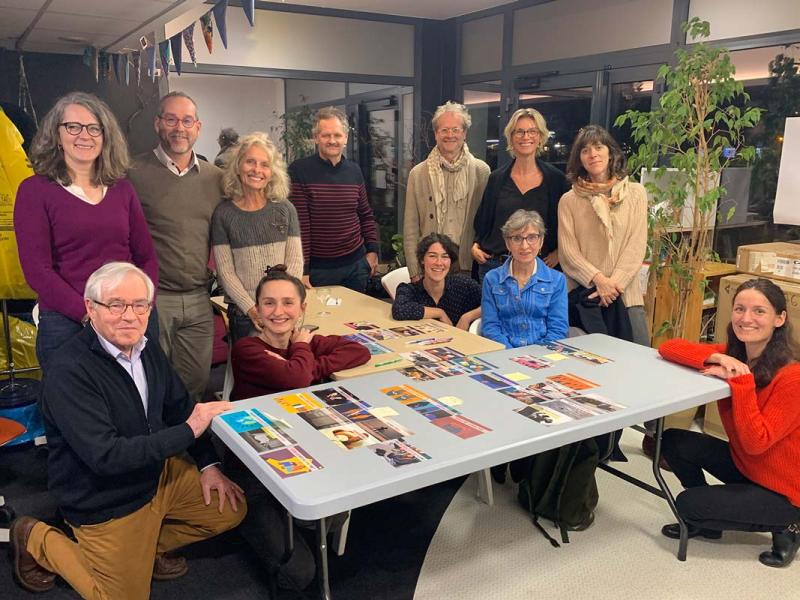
<point>603,197</point>
<point>461,186</point>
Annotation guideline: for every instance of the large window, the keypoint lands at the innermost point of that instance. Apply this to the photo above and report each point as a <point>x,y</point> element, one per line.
<point>486,132</point>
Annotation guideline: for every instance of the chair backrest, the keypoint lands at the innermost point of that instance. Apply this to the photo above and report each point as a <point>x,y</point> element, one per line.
<point>392,279</point>
<point>475,326</point>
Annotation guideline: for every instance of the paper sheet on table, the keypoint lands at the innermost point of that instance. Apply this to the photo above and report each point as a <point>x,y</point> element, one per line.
<point>555,357</point>
<point>383,411</point>
<point>787,197</point>
<point>451,400</point>
<point>516,376</point>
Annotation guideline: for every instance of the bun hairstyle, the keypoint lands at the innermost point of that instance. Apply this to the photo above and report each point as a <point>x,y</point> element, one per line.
<point>280,273</point>
<point>777,353</point>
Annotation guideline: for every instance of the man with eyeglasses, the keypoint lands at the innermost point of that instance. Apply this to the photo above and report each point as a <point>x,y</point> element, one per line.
<point>119,422</point>
<point>179,193</point>
<point>445,190</point>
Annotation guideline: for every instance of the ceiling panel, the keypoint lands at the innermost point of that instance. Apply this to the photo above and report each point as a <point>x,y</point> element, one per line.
<point>136,10</point>
<point>33,5</point>
<point>81,24</point>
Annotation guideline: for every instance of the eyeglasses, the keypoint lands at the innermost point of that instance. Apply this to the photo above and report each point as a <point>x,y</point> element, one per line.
<point>75,128</point>
<point>531,238</point>
<point>187,122</point>
<point>521,133</point>
<point>451,130</point>
<point>117,308</point>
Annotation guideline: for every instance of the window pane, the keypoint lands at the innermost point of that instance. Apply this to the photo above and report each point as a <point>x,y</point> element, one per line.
<point>483,137</point>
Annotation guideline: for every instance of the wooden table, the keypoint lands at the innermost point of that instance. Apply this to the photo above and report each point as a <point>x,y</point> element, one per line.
<point>353,307</point>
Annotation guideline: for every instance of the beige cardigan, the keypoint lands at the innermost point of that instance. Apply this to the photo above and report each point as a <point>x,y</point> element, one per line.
<point>420,214</point>
<point>595,237</point>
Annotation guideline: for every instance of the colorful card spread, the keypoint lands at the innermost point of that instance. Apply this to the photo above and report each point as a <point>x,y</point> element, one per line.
<point>429,341</point>
<point>361,325</point>
<point>516,377</point>
<point>436,411</point>
<point>347,421</point>
<point>451,400</point>
<point>428,327</point>
<point>371,345</point>
<point>435,363</point>
<point>557,399</point>
<point>533,362</point>
<point>399,453</point>
<point>267,438</point>
<point>406,331</point>
<point>572,352</point>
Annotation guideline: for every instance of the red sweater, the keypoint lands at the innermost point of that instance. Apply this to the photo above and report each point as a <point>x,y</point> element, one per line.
<point>256,373</point>
<point>763,425</point>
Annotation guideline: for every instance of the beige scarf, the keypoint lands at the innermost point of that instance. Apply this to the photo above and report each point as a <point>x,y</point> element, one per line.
<point>461,184</point>
<point>603,197</point>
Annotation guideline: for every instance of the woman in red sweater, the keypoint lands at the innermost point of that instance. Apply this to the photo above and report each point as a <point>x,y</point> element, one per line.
<point>285,355</point>
<point>762,419</point>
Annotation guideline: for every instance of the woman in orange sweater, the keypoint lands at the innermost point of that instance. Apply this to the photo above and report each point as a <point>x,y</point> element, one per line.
<point>762,419</point>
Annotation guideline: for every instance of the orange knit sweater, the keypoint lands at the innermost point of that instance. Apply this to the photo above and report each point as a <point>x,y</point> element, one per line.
<point>763,424</point>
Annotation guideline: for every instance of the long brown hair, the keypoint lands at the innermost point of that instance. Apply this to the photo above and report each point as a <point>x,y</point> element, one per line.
<point>594,134</point>
<point>777,353</point>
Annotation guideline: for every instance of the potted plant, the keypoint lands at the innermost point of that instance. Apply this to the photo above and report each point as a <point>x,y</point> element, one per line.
<point>697,128</point>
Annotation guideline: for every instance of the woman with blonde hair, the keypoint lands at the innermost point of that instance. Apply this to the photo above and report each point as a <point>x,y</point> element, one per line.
<point>526,183</point>
<point>255,228</point>
<point>77,213</point>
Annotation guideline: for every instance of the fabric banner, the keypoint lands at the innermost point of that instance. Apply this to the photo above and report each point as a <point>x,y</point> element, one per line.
<point>208,30</point>
<point>163,52</point>
<point>219,18</point>
<point>188,40</point>
<point>102,65</point>
<point>116,64</point>
<point>249,7</point>
<point>176,43</point>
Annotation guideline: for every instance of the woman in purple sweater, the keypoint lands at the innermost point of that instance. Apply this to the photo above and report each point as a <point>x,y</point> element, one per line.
<point>77,213</point>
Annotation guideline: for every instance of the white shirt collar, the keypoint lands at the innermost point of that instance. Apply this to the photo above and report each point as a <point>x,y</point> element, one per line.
<point>114,351</point>
<point>165,160</point>
<point>78,192</point>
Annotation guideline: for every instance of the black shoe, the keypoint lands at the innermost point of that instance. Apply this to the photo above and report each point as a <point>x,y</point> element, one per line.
<point>583,525</point>
<point>499,473</point>
<point>784,547</point>
<point>673,531</point>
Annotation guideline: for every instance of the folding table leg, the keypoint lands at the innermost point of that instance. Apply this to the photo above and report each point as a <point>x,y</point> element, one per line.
<point>684,541</point>
<point>485,492</point>
<point>322,560</point>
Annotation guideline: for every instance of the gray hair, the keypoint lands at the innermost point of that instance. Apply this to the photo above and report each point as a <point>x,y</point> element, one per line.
<point>110,275</point>
<point>177,94</point>
<point>278,185</point>
<point>453,107</point>
<point>330,112</point>
<point>521,219</point>
<point>541,125</point>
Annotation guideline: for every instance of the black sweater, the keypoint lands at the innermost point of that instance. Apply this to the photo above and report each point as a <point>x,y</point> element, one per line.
<point>554,181</point>
<point>106,455</point>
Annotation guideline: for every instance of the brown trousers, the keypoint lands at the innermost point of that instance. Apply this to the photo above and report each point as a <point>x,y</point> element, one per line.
<point>114,560</point>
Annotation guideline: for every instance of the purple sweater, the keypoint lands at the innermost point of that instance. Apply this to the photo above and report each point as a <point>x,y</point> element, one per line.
<point>62,240</point>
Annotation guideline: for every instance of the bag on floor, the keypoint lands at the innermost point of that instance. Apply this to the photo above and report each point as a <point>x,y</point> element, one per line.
<point>559,485</point>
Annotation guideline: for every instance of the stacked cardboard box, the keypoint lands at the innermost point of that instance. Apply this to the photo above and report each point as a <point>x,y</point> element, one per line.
<point>776,260</point>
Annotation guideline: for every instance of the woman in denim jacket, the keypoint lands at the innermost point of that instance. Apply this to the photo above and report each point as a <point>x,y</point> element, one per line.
<point>524,301</point>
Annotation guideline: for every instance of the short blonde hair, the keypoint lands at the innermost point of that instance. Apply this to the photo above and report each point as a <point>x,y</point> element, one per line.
<point>541,125</point>
<point>278,185</point>
<point>453,107</point>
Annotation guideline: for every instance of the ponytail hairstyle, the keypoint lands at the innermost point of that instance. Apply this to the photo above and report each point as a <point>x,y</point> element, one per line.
<point>280,273</point>
<point>777,353</point>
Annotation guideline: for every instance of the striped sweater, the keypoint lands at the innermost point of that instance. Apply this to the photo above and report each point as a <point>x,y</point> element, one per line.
<point>336,222</point>
<point>247,242</point>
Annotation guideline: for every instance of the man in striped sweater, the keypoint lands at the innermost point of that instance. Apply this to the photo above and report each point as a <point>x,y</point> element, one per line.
<point>337,227</point>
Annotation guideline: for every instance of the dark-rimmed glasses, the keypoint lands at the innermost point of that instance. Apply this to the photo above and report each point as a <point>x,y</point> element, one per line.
<point>117,307</point>
<point>75,128</point>
<point>172,121</point>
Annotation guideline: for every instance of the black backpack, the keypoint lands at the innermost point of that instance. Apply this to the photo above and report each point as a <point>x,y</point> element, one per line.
<point>559,485</point>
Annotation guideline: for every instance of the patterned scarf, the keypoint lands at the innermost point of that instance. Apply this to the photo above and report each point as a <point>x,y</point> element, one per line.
<point>603,197</point>
<point>461,184</point>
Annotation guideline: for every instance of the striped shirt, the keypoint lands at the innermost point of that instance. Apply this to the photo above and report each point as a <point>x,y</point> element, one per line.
<point>336,220</point>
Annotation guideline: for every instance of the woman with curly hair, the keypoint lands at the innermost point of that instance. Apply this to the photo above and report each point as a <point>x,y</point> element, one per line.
<point>256,227</point>
<point>77,213</point>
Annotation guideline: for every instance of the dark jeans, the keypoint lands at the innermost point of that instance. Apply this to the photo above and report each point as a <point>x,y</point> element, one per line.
<point>55,329</point>
<point>492,263</point>
<point>353,276</point>
<point>239,324</point>
<point>739,505</point>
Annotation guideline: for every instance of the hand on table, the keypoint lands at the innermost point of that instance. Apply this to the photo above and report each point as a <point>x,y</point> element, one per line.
<point>725,366</point>
<point>203,413</point>
<point>440,315</point>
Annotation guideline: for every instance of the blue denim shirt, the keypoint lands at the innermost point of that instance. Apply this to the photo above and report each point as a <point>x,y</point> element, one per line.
<point>536,313</point>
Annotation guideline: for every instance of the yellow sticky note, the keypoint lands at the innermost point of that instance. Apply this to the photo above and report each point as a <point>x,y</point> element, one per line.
<point>451,400</point>
<point>555,357</point>
<point>516,376</point>
<point>383,411</point>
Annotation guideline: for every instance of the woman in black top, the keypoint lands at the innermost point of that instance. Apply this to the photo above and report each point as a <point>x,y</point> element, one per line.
<point>451,299</point>
<point>526,183</point>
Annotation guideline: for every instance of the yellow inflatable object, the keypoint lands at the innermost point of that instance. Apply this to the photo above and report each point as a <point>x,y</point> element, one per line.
<point>23,348</point>
<point>13,170</point>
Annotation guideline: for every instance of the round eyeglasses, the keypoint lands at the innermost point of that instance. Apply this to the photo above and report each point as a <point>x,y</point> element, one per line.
<point>75,128</point>
<point>117,307</point>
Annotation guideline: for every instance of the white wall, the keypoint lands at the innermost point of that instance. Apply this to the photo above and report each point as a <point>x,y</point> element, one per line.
<point>245,103</point>
<point>734,18</point>
<point>482,45</point>
<point>282,40</point>
<point>570,28</point>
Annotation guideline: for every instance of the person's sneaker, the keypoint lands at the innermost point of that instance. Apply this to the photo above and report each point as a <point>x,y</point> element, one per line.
<point>27,572</point>
<point>673,531</point>
<point>166,568</point>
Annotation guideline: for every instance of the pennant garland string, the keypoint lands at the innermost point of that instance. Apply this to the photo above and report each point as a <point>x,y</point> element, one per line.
<point>163,51</point>
<point>219,18</point>
<point>176,42</point>
<point>188,40</point>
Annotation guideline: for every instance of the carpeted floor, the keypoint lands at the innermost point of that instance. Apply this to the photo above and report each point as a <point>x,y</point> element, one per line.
<point>441,543</point>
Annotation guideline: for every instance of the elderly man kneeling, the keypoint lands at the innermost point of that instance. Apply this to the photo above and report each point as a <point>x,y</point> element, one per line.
<point>119,422</point>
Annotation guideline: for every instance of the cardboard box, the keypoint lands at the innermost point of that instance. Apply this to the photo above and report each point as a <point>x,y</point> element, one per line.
<point>727,287</point>
<point>776,260</point>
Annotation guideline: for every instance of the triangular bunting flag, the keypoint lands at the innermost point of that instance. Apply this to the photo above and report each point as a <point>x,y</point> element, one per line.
<point>116,66</point>
<point>88,52</point>
<point>151,61</point>
<point>249,7</point>
<point>176,42</point>
<point>102,62</point>
<point>163,52</point>
<point>208,30</point>
<point>188,39</point>
<point>127,59</point>
<point>219,18</point>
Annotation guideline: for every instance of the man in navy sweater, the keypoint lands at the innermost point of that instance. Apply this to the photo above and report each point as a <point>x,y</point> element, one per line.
<point>119,422</point>
<point>338,229</point>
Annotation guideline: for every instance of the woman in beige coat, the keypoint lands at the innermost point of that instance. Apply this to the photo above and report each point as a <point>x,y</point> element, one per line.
<point>602,226</point>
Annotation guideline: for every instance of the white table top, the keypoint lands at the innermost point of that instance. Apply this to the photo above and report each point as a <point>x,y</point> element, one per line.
<point>648,386</point>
